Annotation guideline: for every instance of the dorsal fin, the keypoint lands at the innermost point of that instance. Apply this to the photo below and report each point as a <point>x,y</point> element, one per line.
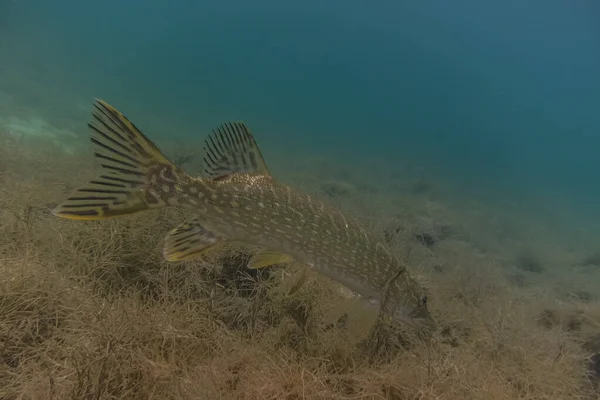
<point>231,149</point>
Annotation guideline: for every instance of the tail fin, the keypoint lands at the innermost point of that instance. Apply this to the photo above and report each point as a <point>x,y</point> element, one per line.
<point>131,162</point>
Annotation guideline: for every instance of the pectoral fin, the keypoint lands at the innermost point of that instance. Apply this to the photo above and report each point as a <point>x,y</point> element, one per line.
<point>337,311</point>
<point>304,274</point>
<point>188,240</point>
<point>361,320</point>
<point>362,316</point>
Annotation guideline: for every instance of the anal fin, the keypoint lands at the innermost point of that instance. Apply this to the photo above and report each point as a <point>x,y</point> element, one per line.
<point>267,258</point>
<point>188,240</point>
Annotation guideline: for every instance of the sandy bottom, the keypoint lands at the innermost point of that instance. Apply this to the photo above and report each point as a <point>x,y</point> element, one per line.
<point>91,310</point>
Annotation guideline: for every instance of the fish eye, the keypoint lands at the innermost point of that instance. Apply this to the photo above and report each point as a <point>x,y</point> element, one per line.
<point>424,300</point>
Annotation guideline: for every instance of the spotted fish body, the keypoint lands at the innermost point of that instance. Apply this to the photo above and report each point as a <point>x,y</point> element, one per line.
<point>260,211</point>
<point>238,200</point>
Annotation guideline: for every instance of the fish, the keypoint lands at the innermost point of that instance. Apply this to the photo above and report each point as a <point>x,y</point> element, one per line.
<point>236,199</point>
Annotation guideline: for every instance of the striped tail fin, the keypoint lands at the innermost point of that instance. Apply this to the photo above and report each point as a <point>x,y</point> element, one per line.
<point>131,165</point>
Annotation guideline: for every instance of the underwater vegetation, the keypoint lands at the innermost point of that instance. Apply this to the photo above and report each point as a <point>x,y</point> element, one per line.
<point>91,309</point>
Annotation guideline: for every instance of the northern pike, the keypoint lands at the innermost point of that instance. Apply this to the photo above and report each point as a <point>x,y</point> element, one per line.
<point>235,199</point>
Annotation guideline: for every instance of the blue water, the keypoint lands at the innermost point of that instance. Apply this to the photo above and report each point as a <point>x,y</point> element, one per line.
<point>498,96</point>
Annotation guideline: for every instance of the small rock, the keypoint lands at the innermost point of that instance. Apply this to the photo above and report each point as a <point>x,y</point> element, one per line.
<point>337,188</point>
<point>391,233</point>
<point>592,259</point>
<point>581,295</point>
<point>421,186</point>
<point>425,239</point>
<point>573,323</point>
<point>518,279</point>
<point>180,160</point>
<point>528,262</point>
<point>548,319</point>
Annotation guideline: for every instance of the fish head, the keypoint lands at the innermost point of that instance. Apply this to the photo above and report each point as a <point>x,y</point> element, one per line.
<point>407,302</point>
